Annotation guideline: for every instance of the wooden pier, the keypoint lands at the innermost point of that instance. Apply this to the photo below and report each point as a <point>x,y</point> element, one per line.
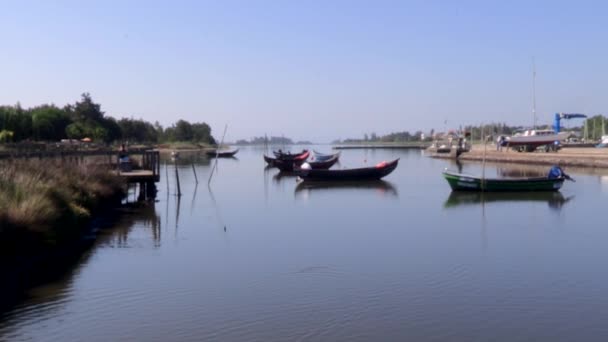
<point>149,171</point>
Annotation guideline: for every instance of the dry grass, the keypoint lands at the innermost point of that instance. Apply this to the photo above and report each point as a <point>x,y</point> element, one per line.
<point>49,201</point>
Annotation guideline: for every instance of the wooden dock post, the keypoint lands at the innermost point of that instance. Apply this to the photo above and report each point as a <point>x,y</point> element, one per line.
<point>179,189</point>
<point>194,170</point>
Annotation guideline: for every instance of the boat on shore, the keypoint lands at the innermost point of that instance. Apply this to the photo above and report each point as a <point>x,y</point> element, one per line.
<point>364,173</point>
<point>603,142</point>
<point>529,140</point>
<point>462,182</point>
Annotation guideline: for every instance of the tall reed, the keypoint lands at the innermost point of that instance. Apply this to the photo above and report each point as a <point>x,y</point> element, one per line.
<point>47,203</point>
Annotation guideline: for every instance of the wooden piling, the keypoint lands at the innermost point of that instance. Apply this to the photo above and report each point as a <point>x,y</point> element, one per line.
<point>194,170</point>
<point>179,189</point>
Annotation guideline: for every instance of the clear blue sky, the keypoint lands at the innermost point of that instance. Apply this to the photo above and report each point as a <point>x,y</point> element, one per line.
<point>314,70</point>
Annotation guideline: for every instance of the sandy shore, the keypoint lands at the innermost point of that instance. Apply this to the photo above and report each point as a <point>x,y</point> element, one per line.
<point>572,156</point>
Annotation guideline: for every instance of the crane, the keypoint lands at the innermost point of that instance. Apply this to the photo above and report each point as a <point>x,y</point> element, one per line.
<point>566,116</point>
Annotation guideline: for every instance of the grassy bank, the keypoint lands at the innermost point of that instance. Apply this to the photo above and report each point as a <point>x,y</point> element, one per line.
<point>44,205</point>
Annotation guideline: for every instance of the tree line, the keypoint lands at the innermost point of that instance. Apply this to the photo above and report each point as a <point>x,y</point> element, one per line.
<point>85,119</point>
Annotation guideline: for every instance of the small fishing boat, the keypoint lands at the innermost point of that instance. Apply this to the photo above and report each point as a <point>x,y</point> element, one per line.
<point>221,154</point>
<point>287,162</point>
<point>462,182</point>
<point>318,156</point>
<point>289,156</point>
<point>325,163</point>
<point>291,165</point>
<point>364,173</point>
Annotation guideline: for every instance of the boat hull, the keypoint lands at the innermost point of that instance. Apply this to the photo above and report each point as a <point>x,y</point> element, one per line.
<point>287,164</point>
<point>366,173</point>
<point>459,182</point>
<point>536,140</point>
<point>221,154</point>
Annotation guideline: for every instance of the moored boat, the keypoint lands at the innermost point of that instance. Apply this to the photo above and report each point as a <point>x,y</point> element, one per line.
<point>221,154</point>
<point>318,156</point>
<point>364,173</point>
<point>325,163</point>
<point>287,164</point>
<point>289,156</point>
<point>462,182</point>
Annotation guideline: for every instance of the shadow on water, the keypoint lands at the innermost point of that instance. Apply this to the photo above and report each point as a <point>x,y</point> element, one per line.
<point>285,175</point>
<point>47,293</point>
<point>379,186</point>
<point>555,200</point>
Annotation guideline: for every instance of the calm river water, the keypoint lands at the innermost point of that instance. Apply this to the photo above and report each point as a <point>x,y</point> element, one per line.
<point>257,258</point>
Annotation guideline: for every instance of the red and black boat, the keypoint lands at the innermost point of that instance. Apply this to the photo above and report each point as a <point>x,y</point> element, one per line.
<point>286,161</point>
<point>364,173</point>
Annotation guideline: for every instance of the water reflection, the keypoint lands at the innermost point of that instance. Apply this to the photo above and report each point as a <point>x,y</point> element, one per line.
<point>142,214</point>
<point>284,174</point>
<point>384,188</point>
<point>188,158</point>
<point>555,200</point>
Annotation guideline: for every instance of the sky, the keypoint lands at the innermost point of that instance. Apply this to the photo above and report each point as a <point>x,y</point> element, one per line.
<point>309,70</point>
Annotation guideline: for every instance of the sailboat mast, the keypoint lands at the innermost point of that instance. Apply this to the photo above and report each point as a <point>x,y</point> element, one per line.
<point>533,94</point>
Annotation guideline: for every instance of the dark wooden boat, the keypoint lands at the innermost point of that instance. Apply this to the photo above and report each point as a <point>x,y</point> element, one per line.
<point>363,173</point>
<point>287,164</point>
<point>290,156</point>
<point>552,182</point>
<point>221,154</point>
<point>269,160</point>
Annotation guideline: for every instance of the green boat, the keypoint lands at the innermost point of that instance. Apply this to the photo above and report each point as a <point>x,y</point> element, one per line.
<point>462,182</point>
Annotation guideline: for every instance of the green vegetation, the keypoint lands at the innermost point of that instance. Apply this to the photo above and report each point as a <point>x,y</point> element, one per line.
<point>269,141</point>
<point>594,127</point>
<point>85,119</point>
<point>45,205</point>
<point>397,137</point>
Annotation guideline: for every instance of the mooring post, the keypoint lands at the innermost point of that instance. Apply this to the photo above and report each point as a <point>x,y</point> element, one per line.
<point>167,176</point>
<point>179,189</point>
<point>217,153</point>
<point>194,170</point>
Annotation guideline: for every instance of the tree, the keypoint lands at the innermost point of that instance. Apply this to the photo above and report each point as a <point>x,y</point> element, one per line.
<point>49,122</point>
<point>85,110</point>
<point>183,131</point>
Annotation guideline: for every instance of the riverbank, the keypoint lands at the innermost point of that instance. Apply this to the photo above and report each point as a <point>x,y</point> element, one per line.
<point>572,157</point>
<point>47,212</point>
<point>383,145</point>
